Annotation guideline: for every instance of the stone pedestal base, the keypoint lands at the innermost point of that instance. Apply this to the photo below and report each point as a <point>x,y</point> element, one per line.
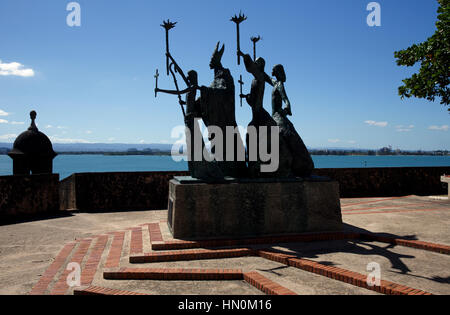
<point>241,208</point>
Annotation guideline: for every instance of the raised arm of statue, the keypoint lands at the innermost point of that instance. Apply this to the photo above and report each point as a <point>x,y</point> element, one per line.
<point>269,80</point>
<point>173,92</point>
<point>250,65</point>
<point>254,68</point>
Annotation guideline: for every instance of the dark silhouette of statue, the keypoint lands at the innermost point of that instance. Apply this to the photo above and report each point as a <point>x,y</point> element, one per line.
<point>261,118</point>
<point>217,107</point>
<point>302,163</point>
<point>199,167</point>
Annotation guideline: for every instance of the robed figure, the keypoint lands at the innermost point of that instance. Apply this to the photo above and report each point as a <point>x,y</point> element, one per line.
<point>302,163</point>
<point>262,119</point>
<point>217,107</point>
<point>200,163</point>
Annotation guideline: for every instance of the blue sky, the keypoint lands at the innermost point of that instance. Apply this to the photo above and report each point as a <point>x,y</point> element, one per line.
<point>94,83</point>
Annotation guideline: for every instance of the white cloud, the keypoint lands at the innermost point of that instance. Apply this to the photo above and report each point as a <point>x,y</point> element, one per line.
<point>62,127</point>
<point>381,124</point>
<point>56,139</point>
<point>334,140</point>
<point>3,113</point>
<point>49,126</point>
<point>16,69</point>
<point>8,137</point>
<point>352,141</point>
<point>111,139</point>
<point>402,128</point>
<point>88,132</point>
<point>4,121</point>
<point>439,128</point>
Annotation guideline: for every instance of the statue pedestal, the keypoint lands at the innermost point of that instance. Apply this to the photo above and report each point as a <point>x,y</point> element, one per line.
<point>241,208</point>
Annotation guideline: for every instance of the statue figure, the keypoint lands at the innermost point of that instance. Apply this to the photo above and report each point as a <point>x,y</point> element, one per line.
<point>256,68</point>
<point>201,169</point>
<point>302,163</point>
<point>261,118</point>
<point>217,107</point>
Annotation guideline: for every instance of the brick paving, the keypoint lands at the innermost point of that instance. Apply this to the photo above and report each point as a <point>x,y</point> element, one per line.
<point>120,256</point>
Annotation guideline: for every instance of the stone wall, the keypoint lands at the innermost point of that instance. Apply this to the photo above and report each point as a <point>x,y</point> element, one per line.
<point>388,182</point>
<point>28,195</point>
<point>149,190</point>
<point>116,191</point>
<point>67,194</point>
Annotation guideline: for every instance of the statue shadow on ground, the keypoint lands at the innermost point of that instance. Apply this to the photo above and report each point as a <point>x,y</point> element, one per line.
<point>356,247</point>
<point>437,279</point>
<point>314,250</point>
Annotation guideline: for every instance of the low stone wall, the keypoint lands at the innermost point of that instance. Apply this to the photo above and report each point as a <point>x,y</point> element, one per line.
<point>30,195</point>
<point>387,182</point>
<point>149,190</point>
<point>116,191</point>
<point>68,194</point>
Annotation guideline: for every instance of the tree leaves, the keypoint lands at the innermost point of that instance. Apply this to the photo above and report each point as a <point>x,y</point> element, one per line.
<point>434,55</point>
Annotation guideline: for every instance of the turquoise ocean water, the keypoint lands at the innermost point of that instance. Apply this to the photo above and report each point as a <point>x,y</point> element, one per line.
<point>66,165</point>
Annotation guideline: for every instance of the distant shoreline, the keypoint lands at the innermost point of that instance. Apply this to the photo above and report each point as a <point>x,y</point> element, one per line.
<point>68,164</point>
<point>315,152</point>
<point>333,153</point>
<point>118,153</point>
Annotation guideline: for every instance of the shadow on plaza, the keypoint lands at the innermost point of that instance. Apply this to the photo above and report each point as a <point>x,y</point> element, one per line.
<point>356,247</point>
<point>359,247</point>
<point>437,279</point>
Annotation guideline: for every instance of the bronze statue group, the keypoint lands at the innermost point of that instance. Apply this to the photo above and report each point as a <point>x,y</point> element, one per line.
<point>215,105</point>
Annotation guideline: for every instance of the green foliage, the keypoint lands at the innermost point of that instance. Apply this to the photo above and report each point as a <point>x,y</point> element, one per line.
<point>434,55</point>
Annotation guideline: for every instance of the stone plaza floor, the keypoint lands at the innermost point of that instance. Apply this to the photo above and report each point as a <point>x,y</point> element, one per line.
<point>133,252</point>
